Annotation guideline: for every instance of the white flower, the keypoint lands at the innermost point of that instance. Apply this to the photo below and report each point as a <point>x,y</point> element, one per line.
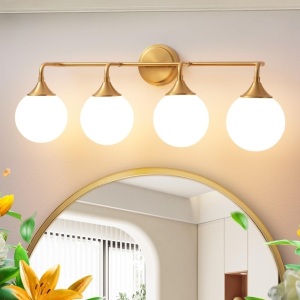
<point>3,250</point>
<point>289,289</point>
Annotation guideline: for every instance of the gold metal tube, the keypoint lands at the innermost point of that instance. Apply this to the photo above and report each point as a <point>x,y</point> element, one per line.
<point>99,64</point>
<point>255,64</point>
<point>42,89</point>
<point>71,64</point>
<point>228,64</point>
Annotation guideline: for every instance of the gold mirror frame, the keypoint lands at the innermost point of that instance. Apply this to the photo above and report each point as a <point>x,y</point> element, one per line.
<point>166,172</point>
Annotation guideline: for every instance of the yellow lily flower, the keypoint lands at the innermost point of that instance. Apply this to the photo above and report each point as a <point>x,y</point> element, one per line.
<point>6,203</point>
<point>43,289</point>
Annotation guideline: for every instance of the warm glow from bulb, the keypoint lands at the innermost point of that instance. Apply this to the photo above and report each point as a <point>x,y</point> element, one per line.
<point>107,120</point>
<point>41,119</point>
<point>255,124</point>
<point>181,120</point>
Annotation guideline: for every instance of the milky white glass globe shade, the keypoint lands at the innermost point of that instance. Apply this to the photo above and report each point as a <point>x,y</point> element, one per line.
<point>181,120</point>
<point>255,124</point>
<point>107,120</point>
<point>41,119</point>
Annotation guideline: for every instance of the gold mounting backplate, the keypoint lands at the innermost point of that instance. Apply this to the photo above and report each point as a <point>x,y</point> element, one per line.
<point>158,75</point>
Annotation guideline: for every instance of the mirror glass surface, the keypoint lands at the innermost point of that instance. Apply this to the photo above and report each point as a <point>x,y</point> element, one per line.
<point>181,222</point>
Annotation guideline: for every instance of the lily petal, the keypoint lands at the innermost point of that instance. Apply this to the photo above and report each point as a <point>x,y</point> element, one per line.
<point>81,284</point>
<point>62,295</point>
<point>29,280</point>
<point>50,278</point>
<point>6,203</point>
<point>18,292</point>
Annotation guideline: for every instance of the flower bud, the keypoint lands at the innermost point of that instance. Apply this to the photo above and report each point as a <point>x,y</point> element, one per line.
<point>6,203</point>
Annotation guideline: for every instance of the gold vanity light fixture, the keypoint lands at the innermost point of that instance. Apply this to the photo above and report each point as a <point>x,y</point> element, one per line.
<point>255,121</point>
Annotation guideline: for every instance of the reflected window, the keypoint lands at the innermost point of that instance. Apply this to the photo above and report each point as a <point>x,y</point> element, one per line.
<point>109,254</point>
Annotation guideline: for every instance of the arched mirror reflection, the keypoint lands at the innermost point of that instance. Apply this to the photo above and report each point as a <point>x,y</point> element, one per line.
<point>165,231</point>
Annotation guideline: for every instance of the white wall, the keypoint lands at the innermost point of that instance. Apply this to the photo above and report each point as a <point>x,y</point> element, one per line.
<point>45,175</point>
<point>211,260</point>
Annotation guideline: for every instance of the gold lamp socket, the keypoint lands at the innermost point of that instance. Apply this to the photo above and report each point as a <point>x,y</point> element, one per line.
<point>180,88</point>
<point>106,90</point>
<point>41,89</point>
<point>256,90</point>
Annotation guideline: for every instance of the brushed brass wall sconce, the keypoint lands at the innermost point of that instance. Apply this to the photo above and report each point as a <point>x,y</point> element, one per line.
<point>255,122</point>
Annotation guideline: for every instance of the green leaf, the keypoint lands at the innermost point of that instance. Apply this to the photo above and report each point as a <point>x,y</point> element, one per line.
<point>27,228</point>
<point>240,218</point>
<point>95,298</point>
<point>8,273</point>
<point>285,242</point>
<point>20,254</point>
<point>253,298</point>
<point>292,267</point>
<point>7,295</point>
<point>14,215</point>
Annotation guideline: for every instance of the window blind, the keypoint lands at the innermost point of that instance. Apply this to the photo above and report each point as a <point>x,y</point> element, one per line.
<point>108,253</point>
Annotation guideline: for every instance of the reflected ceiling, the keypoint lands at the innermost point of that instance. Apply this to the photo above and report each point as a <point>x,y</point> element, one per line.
<point>169,185</point>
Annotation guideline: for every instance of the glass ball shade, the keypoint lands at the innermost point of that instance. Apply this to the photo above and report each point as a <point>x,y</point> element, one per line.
<point>181,120</point>
<point>41,119</point>
<point>255,124</point>
<point>107,120</point>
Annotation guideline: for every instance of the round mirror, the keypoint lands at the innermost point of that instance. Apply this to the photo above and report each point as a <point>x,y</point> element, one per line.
<point>179,227</point>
